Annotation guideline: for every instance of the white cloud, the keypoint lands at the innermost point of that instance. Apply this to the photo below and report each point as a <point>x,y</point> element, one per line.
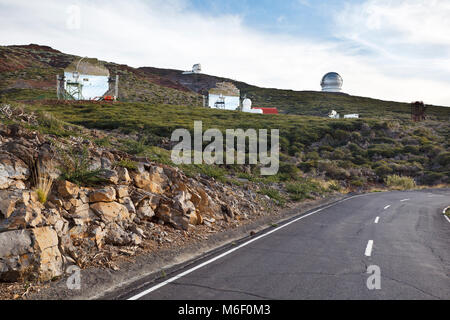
<point>417,22</point>
<point>166,34</point>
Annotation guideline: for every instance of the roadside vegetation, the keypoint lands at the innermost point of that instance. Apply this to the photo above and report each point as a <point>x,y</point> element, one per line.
<point>318,155</point>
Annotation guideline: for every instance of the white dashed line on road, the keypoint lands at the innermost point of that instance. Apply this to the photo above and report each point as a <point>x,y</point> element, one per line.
<point>387,207</point>
<point>377,219</point>
<point>404,200</point>
<point>369,248</point>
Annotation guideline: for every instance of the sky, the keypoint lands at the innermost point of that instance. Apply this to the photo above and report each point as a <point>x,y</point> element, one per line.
<point>395,50</point>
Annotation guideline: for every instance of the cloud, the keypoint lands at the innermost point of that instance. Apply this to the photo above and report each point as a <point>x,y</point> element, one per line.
<point>400,22</point>
<point>168,34</point>
<point>405,37</point>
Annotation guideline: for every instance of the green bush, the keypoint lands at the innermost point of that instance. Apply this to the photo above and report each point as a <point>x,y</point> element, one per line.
<point>127,164</point>
<point>333,171</point>
<point>75,167</point>
<point>273,194</point>
<point>383,171</point>
<point>290,170</point>
<point>302,190</point>
<point>433,178</point>
<point>103,142</point>
<point>135,147</point>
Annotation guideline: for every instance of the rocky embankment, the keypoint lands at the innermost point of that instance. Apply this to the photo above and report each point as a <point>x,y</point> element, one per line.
<point>75,224</point>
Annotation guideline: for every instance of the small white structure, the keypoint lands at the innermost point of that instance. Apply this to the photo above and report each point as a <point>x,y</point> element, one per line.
<point>247,107</point>
<point>246,104</point>
<point>197,68</point>
<point>332,82</point>
<point>351,116</point>
<point>333,114</point>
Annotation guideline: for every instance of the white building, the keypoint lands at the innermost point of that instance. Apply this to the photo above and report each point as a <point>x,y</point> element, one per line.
<point>197,68</point>
<point>333,114</point>
<point>225,96</point>
<point>247,107</point>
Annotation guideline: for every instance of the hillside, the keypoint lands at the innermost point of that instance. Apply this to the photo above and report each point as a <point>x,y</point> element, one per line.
<point>28,72</point>
<point>157,101</point>
<point>311,103</point>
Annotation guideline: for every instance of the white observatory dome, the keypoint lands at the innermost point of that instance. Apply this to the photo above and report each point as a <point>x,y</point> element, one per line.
<point>332,82</point>
<point>247,104</point>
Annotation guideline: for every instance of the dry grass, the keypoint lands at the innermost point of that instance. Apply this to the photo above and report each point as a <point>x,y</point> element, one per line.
<point>396,182</point>
<point>43,183</point>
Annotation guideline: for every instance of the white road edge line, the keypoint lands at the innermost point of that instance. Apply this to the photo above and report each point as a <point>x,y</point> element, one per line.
<point>377,219</point>
<point>369,248</point>
<point>185,273</point>
<point>387,207</point>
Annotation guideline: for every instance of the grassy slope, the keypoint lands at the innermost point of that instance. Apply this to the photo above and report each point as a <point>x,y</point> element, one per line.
<point>352,151</point>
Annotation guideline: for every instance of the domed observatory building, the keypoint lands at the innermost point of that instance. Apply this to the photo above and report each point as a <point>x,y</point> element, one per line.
<point>332,82</point>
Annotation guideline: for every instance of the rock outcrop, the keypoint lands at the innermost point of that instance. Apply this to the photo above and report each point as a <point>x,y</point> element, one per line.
<point>40,240</point>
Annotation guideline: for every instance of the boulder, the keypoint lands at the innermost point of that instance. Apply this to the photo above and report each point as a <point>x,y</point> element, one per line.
<point>28,254</point>
<point>11,169</point>
<point>154,181</point>
<point>99,234</point>
<point>195,218</point>
<point>110,211</point>
<point>124,176</point>
<point>203,202</point>
<point>122,191</point>
<point>172,216</point>
<point>82,214</point>
<point>16,255</point>
<point>128,203</point>
<point>117,236</point>
<point>103,195</point>
<point>48,257</point>
<point>8,200</point>
<point>23,217</point>
<point>139,195</point>
<point>145,210</point>
<point>67,189</point>
<point>183,203</point>
<point>110,176</point>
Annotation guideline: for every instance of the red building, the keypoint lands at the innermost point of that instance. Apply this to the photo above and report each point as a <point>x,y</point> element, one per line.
<point>268,110</point>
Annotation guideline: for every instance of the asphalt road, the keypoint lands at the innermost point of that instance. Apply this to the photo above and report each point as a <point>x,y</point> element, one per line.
<point>326,255</point>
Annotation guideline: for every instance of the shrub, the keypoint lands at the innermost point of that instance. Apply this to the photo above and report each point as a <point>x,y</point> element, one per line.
<point>103,142</point>
<point>400,183</point>
<point>433,178</point>
<point>128,164</point>
<point>333,171</point>
<point>383,170</point>
<point>306,166</point>
<point>75,167</point>
<point>302,190</point>
<point>358,182</point>
<point>135,147</point>
<point>289,169</point>
<point>272,194</point>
